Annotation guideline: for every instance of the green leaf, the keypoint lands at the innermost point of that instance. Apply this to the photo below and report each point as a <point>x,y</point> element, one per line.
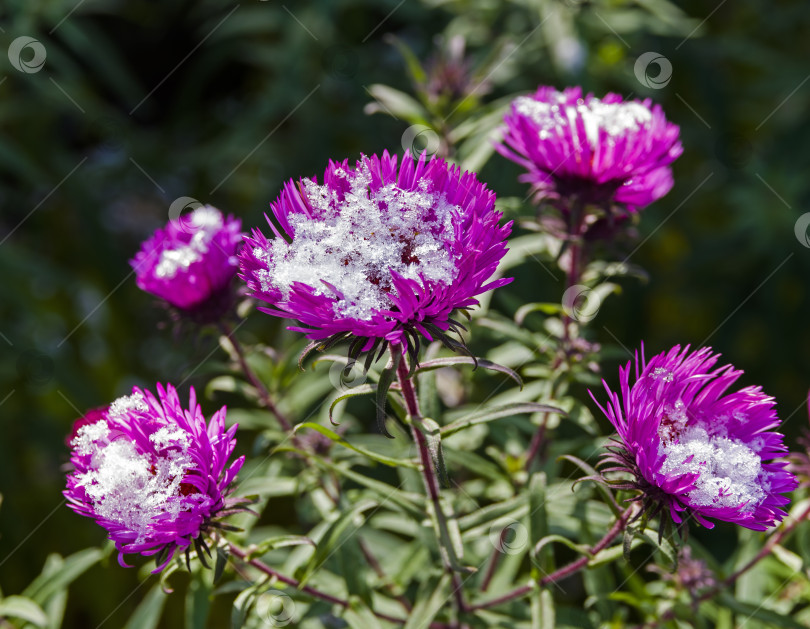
<point>387,378</point>
<point>359,616</point>
<point>221,562</point>
<point>758,612</point>
<point>591,472</point>
<point>542,603</point>
<point>544,307</point>
<point>415,69</point>
<point>336,438</point>
<point>147,614</point>
<point>72,567</point>
<point>430,600</point>
<point>363,389</point>
<point>488,415</point>
<point>242,605</point>
<point>282,541</point>
<point>438,363</point>
<point>334,535</point>
<point>198,601</point>
<point>538,521</point>
<point>24,609</point>
<point>433,435</point>
<point>396,103</point>
<point>411,503</point>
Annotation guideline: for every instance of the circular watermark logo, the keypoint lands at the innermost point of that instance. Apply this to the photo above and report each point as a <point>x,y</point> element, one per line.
<point>802,230</point>
<point>275,608</point>
<point>581,303</point>
<point>179,210</point>
<point>419,139</point>
<point>35,368</point>
<point>27,54</point>
<point>653,70</point>
<point>347,377</point>
<point>340,61</point>
<point>734,150</point>
<point>509,539</point>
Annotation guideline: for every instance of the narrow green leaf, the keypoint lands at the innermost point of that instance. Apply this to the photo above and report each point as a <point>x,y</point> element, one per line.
<point>24,609</point>
<point>221,562</point>
<point>198,601</point>
<point>241,606</point>
<point>542,603</point>
<point>336,438</point>
<point>396,103</point>
<point>363,389</point>
<point>758,612</point>
<point>433,435</point>
<point>610,500</point>
<point>488,415</point>
<point>72,567</point>
<point>333,536</point>
<point>147,614</point>
<point>387,378</point>
<point>455,361</point>
<point>282,541</point>
<point>538,520</point>
<point>544,307</point>
<point>431,598</point>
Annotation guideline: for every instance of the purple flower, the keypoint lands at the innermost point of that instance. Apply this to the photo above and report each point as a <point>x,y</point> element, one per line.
<point>603,151</point>
<point>152,473</point>
<point>695,449</point>
<point>191,262</point>
<point>381,252</point>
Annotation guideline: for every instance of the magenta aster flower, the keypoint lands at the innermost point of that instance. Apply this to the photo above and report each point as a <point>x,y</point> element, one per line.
<point>152,473</point>
<point>602,151</point>
<point>695,449</point>
<point>191,262</point>
<point>380,252</point>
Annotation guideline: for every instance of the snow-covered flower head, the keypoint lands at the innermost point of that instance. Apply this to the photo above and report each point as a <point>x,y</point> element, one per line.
<point>191,262</point>
<point>152,473</point>
<point>695,449</point>
<point>604,151</point>
<point>382,252</point>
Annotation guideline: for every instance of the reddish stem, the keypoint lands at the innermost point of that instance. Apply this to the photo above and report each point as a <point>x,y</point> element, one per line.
<point>264,394</point>
<point>428,471</point>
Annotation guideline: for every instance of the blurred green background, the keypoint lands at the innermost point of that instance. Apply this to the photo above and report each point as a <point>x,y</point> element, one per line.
<point>139,103</point>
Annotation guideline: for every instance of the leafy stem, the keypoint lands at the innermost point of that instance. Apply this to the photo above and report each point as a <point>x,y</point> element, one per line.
<point>264,394</point>
<point>429,474</point>
<point>567,570</point>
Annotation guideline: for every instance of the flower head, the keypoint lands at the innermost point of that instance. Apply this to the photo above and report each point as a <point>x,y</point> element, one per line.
<point>190,263</point>
<point>382,252</point>
<point>603,150</point>
<point>694,448</point>
<point>152,473</point>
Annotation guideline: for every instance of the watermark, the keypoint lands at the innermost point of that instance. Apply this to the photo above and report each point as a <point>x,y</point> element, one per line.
<point>27,54</point>
<point>653,70</point>
<point>419,139</point>
<point>180,206</point>
<point>275,608</point>
<point>340,61</point>
<point>35,368</point>
<point>734,150</point>
<point>347,377</point>
<point>802,230</point>
<point>581,303</point>
<point>509,539</point>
